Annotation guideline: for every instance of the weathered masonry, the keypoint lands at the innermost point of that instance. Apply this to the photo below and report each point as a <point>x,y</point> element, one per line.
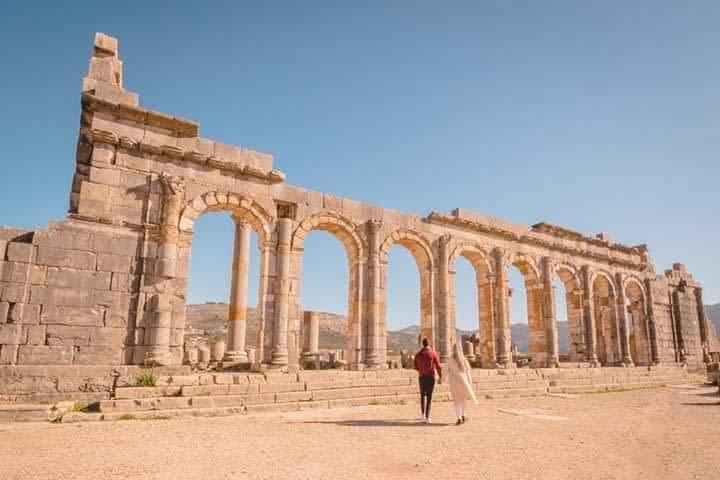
<point>107,286</point>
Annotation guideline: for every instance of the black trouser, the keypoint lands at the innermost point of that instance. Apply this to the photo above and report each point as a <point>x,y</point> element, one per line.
<point>427,384</point>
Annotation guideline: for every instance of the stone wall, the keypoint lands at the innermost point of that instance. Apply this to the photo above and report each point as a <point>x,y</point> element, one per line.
<point>107,285</point>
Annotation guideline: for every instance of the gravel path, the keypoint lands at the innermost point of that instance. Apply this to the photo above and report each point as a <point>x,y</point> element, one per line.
<point>656,434</point>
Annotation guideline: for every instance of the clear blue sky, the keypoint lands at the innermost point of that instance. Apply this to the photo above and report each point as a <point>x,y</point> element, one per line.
<point>599,116</point>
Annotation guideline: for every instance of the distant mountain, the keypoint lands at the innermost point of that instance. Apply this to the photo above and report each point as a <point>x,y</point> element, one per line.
<point>209,321</point>
<point>713,312</point>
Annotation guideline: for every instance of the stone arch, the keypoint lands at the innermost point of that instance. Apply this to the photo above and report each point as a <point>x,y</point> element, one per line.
<point>638,324</point>
<point>243,210</point>
<point>481,262</point>
<point>569,275</point>
<point>608,333</point>
<point>421,250</point>
<point>539,340</point>
<point>355,245</point>
<point>241,207</point>
<point>336,224</point>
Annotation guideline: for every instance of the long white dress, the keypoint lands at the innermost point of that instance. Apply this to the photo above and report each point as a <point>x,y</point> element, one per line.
<point>461,386</point>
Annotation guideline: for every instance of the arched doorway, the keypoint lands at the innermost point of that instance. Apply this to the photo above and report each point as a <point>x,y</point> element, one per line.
<point>354,245</point>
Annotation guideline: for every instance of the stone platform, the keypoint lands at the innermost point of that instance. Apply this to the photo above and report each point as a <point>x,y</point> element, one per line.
<point>216,394</point>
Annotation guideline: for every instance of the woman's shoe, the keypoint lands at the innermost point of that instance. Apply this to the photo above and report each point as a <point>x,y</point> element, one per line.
<point>459,422</point>
<point>463,419</point>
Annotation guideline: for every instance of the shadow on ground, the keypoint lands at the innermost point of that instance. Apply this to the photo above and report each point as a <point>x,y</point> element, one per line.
<point>377,423</point>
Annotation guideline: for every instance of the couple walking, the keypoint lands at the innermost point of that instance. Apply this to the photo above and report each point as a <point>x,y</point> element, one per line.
<point>427,363</point>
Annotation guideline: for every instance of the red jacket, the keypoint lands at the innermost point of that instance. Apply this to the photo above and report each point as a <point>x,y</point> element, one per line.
<point>426,362</point>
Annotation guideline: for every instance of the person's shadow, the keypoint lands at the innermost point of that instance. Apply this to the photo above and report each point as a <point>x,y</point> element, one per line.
<point>377,423</point>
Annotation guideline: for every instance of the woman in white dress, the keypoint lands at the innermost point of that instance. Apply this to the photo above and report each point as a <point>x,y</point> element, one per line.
<point>460,380</point>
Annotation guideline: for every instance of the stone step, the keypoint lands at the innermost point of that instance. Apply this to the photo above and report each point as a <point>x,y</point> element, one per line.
<point>20,412</point>
<point>609,387</point>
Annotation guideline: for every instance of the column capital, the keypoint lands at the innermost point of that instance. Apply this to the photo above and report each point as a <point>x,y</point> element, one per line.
<point>373,225</point>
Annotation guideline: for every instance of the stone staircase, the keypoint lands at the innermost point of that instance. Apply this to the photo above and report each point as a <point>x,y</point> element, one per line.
<point>215,394</point>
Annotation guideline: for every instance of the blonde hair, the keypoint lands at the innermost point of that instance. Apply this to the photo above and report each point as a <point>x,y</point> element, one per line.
<point>459,358</point>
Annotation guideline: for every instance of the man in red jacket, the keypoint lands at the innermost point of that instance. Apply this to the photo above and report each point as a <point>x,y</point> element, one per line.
<point>426,363</point>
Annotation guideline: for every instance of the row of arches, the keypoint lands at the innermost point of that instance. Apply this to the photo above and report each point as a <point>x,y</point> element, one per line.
<point>607,315</point>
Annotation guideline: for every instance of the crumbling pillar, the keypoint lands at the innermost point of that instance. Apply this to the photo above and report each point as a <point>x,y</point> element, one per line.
<point>282,293</point>
<point>589,318</point>
<point>237,310</point>
<point>158,330</point>
<point>502,316</point>
<point>311,333</point>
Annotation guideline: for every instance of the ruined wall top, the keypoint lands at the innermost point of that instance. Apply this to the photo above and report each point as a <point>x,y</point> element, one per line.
<point>117,119</point>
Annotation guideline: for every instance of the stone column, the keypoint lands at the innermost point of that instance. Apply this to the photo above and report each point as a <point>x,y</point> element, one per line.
<point>264,303</point>
<point>372,358</point>
<point>311,333</point>
<point>589,319</point>
<point>702,323</point>
<point>282,293</point>
<point>652,331</point>
<point>502,317</point>
<point>237,310</point>
<point>550,314</point>
<point>158,331</point>
<point>446,321</point>
<point>622,321</point>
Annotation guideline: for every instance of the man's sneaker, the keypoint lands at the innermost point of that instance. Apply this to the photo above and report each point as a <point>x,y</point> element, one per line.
<point>427,420</point>
<point>423,419</point>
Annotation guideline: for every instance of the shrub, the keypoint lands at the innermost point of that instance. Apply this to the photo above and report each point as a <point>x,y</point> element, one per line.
<point>147,379</point>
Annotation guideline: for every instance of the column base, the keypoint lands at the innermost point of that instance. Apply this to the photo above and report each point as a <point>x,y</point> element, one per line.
<point>158,357</point>
<point>372,360</point>
<point>235,358</point>
<point>279,358</point>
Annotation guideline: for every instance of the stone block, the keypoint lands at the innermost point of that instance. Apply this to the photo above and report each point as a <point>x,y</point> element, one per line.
<point>60,257</point>
<point>35,334</point>
<point>114,263</point>
<point>134,215</point>
<point>45,355</point>
<point>77,316</point>
<point>105,176</point>
<point>8,354</point>
<point>15,272</point>
<point>12,334</point>
<point>114,300</point>
<point>20,252</point>
<point>13,293</point>
<point>133,161</point>
<point>107,337</point>
<point>38,274</point>
<point>98,355</point>
<point>105,242</point>
<point>93,208</point>
<point>121,282</point>
<point>105,44</point>
<point>102,155</point>
<point>78,279</point>
<point>159,136</point>
<point>4,311</point>
<point>63,238</point>
<point>66,335</point>
<point>67,297</point>
<point>24,313</point>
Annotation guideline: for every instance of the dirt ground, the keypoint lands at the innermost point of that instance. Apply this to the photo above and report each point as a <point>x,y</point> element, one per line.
<point>656,434</point>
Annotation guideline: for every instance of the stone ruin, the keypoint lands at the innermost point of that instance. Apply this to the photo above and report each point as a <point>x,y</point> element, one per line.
<point>108,284</point>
